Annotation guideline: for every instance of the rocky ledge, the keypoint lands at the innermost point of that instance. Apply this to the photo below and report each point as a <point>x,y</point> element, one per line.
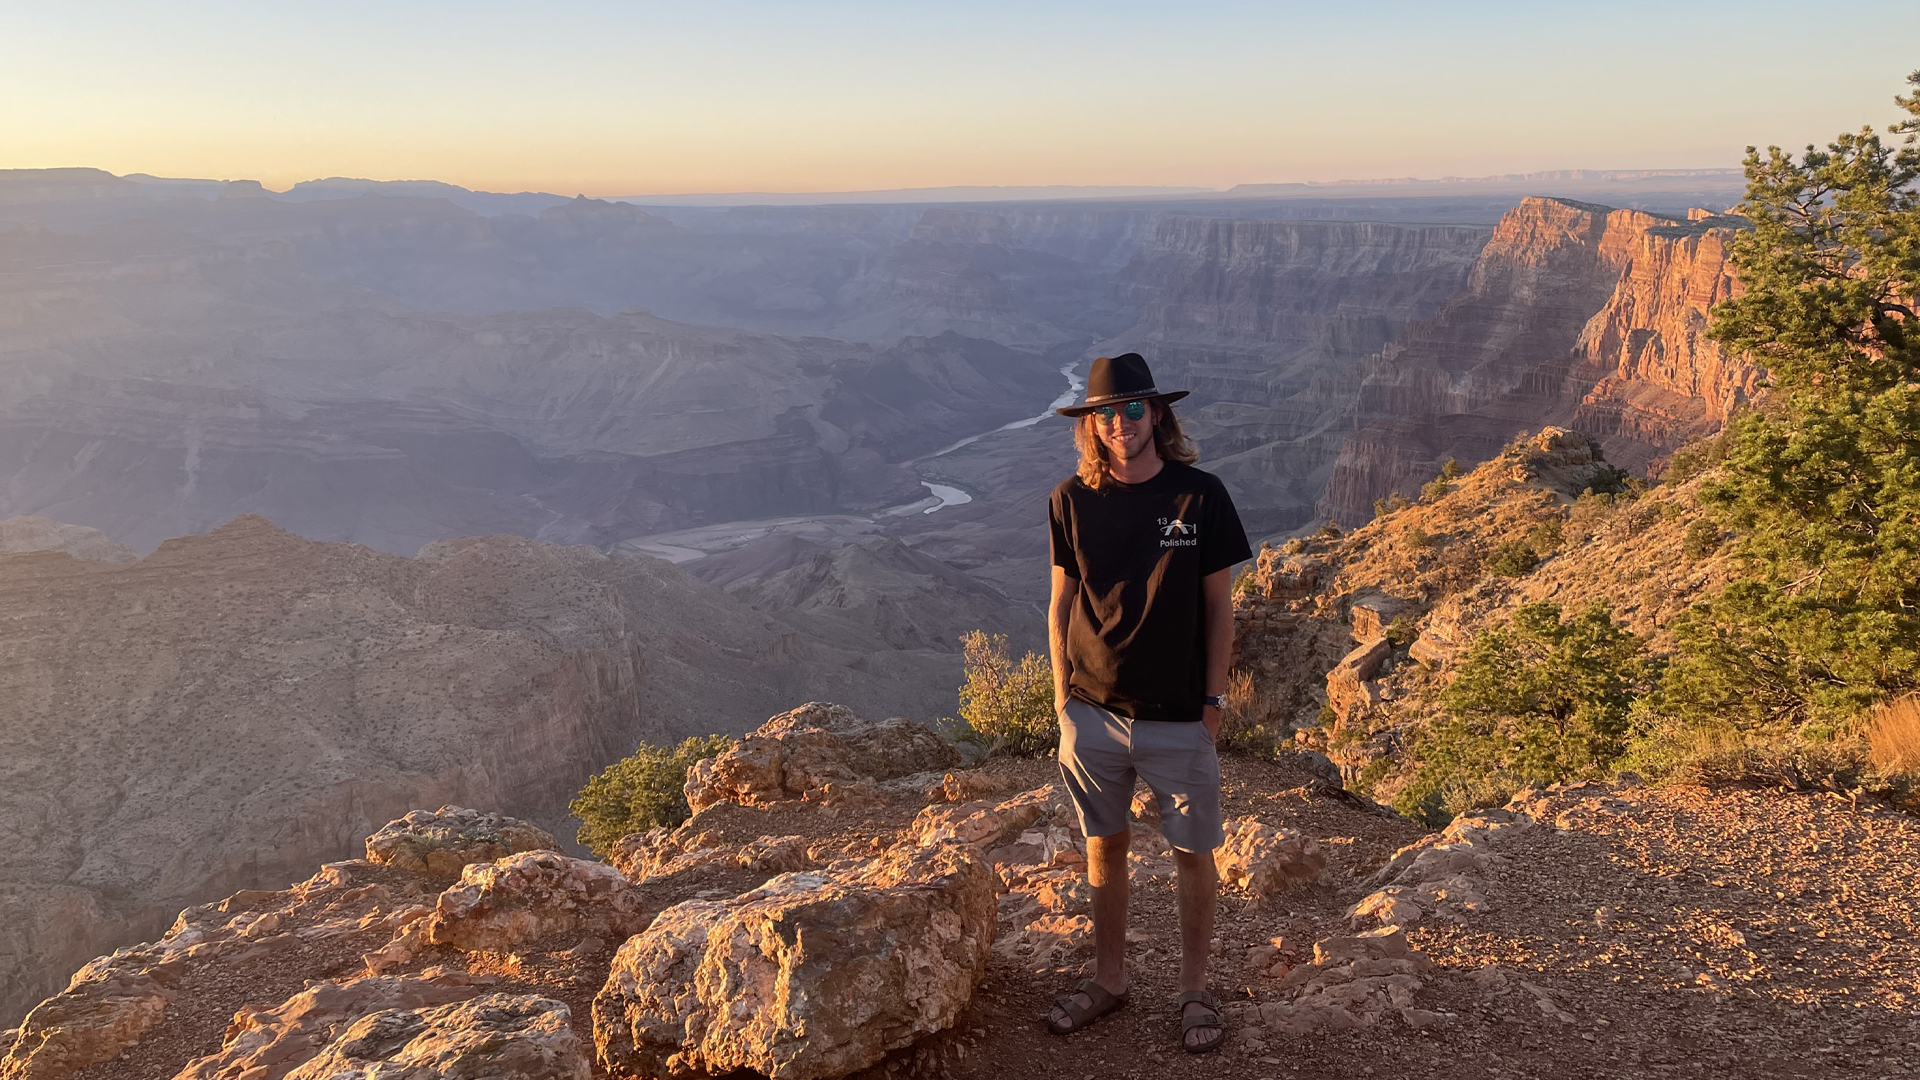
<point>918,924</point>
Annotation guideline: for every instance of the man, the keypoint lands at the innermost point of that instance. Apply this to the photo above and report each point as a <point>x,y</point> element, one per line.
<point>1141,633</point>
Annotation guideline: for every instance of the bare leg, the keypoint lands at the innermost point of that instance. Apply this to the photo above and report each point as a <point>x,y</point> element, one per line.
<point>1107,874</point>
<point>1199,893</point>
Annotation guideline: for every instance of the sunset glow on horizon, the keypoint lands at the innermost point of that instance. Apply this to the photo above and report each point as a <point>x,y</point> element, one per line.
<point>653,98</point>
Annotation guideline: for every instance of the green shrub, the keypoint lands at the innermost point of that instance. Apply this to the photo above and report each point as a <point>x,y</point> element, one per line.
<point>1702,539</point>
<point>1515,558</point>
<point>1005,703</point>
<point>1450,470</point>
<point>1434,489</point>
<point>640,791</point>
<point>1537,701</point>
<point>1546,537</point>
<point>1402,630</point>
<point>1390,504</point>
<point>1243,581</point>
<point>1418,539</point>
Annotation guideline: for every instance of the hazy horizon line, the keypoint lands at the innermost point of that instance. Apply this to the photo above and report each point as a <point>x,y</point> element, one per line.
<point>949,192</point>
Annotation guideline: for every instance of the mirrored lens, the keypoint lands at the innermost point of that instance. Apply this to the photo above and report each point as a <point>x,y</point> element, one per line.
<point>1134,410</point>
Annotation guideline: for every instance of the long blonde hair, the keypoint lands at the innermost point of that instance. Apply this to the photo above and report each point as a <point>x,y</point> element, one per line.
<point>1169,439</point>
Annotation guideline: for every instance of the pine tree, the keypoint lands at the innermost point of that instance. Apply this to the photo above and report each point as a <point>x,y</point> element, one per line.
<point>1821,482</point>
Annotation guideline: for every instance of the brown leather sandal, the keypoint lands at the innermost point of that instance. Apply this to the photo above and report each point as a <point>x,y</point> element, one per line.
<point>1078,1016</point>
<point>1209,1019</point>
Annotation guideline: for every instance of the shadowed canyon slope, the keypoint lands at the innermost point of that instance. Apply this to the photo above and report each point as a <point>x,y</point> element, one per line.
<point>236,706</point>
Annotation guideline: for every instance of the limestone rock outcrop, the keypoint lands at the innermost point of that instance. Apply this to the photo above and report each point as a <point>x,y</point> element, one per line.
<point>444,841</point>
<point>531,897</point>
<point>269,1043</point>
<point>1265,860</point>
<point>496,1037</point>
<point>660,852</point>
<point>105,1009</point>
<point>1442,874</point>
<point>1348,691</point>
<point>114,1001</point>
<point>798,754</point>
<point>810,976</point>
<point>1352,982</point>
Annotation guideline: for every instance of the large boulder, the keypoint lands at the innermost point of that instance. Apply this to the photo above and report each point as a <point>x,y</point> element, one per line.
<point>1265,860</point>
<point>495,1037</point>
<point>808,977</point>
<point>800,753</point>
<point>447,840</point>
<point>530,897</point>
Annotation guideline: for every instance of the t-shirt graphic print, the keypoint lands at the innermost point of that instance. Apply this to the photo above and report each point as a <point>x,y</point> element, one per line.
<point>1137,636</point>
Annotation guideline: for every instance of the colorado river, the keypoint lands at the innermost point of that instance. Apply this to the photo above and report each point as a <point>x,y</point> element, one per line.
<point>953,496</point>
<point>948,496</point>
<point>1067,397</point>
<point>690,544</point>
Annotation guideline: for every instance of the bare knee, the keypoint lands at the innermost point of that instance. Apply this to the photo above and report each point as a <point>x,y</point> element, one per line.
<point>1195,866</point>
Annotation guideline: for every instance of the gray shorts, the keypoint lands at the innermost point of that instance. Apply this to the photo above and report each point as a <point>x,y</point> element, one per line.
<point>1101,754</point>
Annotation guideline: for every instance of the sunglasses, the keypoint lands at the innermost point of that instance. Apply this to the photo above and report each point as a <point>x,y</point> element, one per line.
<point>1134,410</point>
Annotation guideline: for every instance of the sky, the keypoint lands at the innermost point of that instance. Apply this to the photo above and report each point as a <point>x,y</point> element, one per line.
<point>628,98</point>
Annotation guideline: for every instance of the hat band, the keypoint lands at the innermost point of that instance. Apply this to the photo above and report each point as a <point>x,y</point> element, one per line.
<point>1129,396</point>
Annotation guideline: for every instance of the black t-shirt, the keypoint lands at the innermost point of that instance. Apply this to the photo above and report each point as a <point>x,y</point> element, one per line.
<point>1137,636</point>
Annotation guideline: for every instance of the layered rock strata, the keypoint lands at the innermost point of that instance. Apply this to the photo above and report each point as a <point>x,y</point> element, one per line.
<point>1266,321</point>
<point>1574,314</point>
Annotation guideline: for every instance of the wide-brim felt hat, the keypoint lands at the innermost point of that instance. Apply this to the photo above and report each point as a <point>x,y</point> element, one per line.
<point>1114,379</point>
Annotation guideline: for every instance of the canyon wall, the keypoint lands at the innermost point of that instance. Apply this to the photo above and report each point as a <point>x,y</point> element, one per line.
<point>1574,314</point>
<point>1664,381</point>
<point>1267,321</point>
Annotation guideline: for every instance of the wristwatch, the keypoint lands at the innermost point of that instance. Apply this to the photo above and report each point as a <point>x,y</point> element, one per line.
<point>1218,701</point>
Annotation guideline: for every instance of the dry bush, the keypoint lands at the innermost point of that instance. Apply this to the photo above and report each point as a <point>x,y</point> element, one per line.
<point>1893,737</point>
<point>1672,750</point>
<point>1254,720</point>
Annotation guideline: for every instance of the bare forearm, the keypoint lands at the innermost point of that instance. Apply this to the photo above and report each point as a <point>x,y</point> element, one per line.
<point>1219,651</point>
<point>1059,611</point>
<point>1217,592</point>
